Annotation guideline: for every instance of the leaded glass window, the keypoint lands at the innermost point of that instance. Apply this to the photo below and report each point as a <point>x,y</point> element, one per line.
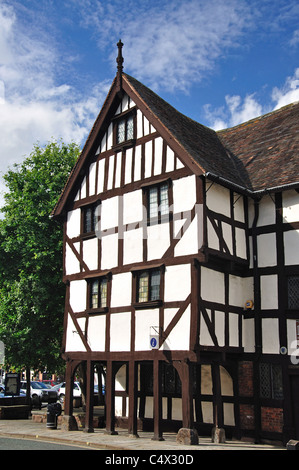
<point>89,219</point>
<point>98,293</point>
<point>293,292</point>
<point>149,285</point>
<point>271,381</point>
<point>158,201</point>
<point>125,129</point>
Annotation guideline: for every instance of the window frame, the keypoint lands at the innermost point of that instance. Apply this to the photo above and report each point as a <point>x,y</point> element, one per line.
<point>93,207</point>
<point>128,141</point>
<point>149,302</point>
<point>289,300</point>
<point>270,371</point>
<point>160,218</point>
<point>99,280</point>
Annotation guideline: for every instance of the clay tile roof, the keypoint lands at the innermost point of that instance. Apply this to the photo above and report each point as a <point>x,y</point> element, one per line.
<point>261,153</point>
<point>267,147</point>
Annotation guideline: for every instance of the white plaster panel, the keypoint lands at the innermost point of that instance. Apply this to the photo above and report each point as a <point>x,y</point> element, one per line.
<point>139,124</point>
<point>83,188</point>
<point>176,409</point>
<point>146,125</point>
<point>72,264</point>
<point>204,335</point>
<point>290,201</point>
<point>128,166</point>
<point>132,207</point>
<point>121,293</point>
<point>291,247</point>
<point>213,239</point>
<point>148,159</point>
<point>90,253</point>
<point>227,235</point>
<point>78,294</point>
<point>248,336</point>
<point>96,334</point>
<point>92,179</point>
<point>270,336</point>
<point>73,340</point>
<point>292,344</point>
<point>179,337</point>
<point>73,226</point>
<point>110,172</point>
<point>137,168</point>
<point>179,164</point>
<point>101,175</point>
<point>184,194</point>
<point>240,290</point>
<point>177,282</point>
<point>109,251</point>
<point>109,213</point>
<point>269,294</point>
<point>133,246</point>
<point>266,246</point>
<point>266,212</point>
<point>239,207</point>
<point>233,330</point>
<point>241,247</point>
<point>189,243</point>
<point>169,159</point>
<point>212,285</point>
<point>110,136</point>
<point>158,240</point>
<point>207,412</point>
<point>228,414</point>
<point>118,162</point>
<point>219,327</point>
<point>120,331</point>
<point>218,199</point>
<point>158,156</point>
<point>144,319</point>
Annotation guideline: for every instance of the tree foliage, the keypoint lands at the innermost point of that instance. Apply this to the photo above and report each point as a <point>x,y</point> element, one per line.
<point>31,288</point>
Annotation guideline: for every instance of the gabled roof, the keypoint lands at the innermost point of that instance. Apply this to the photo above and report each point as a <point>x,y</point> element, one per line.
<point>267,147</point>
<point>259,154</point>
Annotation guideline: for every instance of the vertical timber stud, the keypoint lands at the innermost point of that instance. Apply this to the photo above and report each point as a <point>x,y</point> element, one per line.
<point>133,388</point>
<point>89,397</point>
<point>157,373</point>
<point>187,434</point>
<point>110,399</point>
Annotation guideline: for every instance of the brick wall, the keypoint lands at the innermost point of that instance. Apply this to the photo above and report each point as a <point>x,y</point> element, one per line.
<point>246,416</point>
<point>246,379</point>
<point>272,419</point>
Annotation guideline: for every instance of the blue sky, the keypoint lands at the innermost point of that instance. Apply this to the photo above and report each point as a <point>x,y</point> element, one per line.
<point>221,62</point>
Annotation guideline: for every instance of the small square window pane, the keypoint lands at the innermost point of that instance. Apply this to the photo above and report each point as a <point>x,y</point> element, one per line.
<point>130,128</point>
<point>153,202</point>
<point>155,285</point>
<point>293,292</point>
<point>143,287</point>
<point>121,131</point>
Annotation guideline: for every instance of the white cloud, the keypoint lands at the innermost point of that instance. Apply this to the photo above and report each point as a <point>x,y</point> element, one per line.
<point>168,44</point>
<point>236,110</point>
<point>34,108</point>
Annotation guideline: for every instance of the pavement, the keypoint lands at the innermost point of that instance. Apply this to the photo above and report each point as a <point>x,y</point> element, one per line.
<point>99,439</point>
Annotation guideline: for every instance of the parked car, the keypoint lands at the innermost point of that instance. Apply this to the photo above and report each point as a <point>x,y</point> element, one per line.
<point>40,391</point>
<point>76,391</point>
<point>50,383</point>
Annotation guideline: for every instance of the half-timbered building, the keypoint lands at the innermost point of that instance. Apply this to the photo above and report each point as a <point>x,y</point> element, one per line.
<point>181,266</point>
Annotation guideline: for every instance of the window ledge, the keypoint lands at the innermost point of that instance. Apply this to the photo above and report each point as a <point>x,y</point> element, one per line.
<point>97,311</point>
<point>124,145</point>
<point>149,304</point>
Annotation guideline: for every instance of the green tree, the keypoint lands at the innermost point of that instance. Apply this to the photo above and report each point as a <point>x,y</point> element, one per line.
<point>31,288</point>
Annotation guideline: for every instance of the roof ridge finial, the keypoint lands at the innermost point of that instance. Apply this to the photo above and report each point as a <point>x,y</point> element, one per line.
<point>120,59</point>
